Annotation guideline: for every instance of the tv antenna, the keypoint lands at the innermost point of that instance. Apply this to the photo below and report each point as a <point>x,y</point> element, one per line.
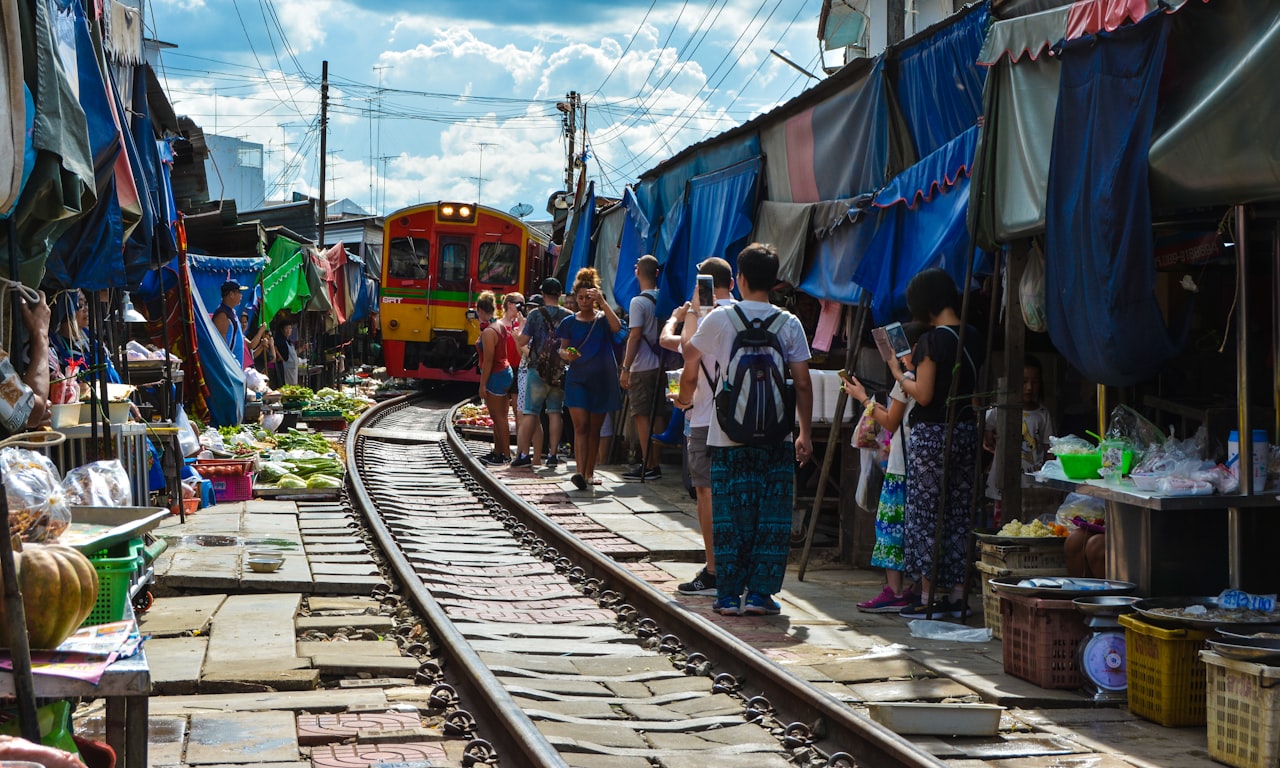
<point>520,210</point>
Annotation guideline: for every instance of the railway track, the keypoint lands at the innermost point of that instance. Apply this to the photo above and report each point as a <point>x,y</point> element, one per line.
<point>548,652</point>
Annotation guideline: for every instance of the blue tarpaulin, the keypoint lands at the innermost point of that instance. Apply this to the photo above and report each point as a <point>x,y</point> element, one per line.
<point>1100,300</point>
<point>923,225</point>
<point>208,273</point>
<point>837,256</point>
<point>939,82</point>
<point>584,221</point>
<point>637,240</point>
<point>223,372</point>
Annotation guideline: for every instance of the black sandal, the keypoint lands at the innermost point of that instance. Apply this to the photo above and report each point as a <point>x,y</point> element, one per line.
<point>579,481</point>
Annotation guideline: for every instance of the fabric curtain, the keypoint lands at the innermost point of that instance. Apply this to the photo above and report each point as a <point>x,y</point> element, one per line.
<point>721,206</point>
<point>222,372</point>
<point>284,283</point>
<point>938,82</point>
<point>609,226</point>
<point>208,273</point>
<point>1100,302</point>
<point>637,240</point>
<point>578,239</point>
<point>923,225</point>
<point>836,256</point>
<point>786,226</point>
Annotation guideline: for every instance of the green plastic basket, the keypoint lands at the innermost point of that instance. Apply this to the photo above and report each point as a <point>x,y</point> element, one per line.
<point>116,569</point>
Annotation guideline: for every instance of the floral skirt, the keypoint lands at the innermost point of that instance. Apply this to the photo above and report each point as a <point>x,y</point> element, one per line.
<point>890,523</point>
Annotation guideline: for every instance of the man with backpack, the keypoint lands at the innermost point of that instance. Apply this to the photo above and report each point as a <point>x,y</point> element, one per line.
<point>641,370</point>
<point>544,382</point>
<point>748,349</point>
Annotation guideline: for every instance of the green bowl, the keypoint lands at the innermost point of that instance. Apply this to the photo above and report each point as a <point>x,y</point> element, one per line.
<point>1081,466</point>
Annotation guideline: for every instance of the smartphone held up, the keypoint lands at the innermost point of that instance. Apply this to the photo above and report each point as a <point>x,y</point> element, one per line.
<point>706,294</point>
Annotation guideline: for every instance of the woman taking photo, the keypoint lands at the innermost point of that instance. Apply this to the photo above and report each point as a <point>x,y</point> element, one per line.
<point>495,378</point>
<point>591,382</point>
<point>932,298</point>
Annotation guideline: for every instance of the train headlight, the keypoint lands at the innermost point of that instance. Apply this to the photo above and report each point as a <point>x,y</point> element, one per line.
<point>462,213</point>
<point>446,211</point>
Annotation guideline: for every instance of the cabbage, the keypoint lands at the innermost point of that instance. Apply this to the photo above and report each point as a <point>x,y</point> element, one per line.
<point>271,471</point>
<point>291,481</point>
<point>323,481</point>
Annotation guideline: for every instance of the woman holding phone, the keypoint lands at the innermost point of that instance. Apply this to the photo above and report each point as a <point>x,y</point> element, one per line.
<point>933,298</point>
<point>591,382</point>
<point>887,552</point>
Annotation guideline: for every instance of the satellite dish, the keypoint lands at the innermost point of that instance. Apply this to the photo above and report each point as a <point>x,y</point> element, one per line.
<point>520,210</point>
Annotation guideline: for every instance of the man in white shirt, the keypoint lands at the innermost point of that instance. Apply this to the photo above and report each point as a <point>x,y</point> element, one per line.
<point>751,485</point>
<point>697,459</point>
<point>641,371</point>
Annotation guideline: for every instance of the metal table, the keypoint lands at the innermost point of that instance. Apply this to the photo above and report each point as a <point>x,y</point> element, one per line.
<point>1144,541</point>
<point>125,686</point>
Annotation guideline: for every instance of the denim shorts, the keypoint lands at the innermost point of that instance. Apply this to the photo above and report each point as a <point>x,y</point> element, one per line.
<point>499,383</point>
<point>539,394</point>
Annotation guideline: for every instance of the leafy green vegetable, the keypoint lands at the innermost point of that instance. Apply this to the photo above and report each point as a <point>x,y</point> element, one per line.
<point>323,481</point>
<point>291,481</point>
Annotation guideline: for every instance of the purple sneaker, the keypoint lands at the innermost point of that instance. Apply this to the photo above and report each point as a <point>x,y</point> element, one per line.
<point>885,602</point>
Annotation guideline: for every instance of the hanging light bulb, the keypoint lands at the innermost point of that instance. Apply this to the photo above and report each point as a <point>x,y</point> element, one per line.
<point>128,313</point>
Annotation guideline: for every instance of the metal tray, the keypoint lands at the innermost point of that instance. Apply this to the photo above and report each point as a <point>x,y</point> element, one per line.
<point>1095,587</point>
<point>94,529</point>
<point>1148,608</point>
<point>1246,648</point>
<point>1253,630</point>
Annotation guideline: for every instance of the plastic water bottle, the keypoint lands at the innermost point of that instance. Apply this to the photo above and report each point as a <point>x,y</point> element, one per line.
<point>1261,455</point>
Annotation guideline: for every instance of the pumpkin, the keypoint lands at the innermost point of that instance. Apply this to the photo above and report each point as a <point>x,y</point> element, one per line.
<point>59,588</point>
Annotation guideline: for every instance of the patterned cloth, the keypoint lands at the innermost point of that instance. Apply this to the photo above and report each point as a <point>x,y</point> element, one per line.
<point>890,523</point>
<point>924,480</point>
<point>751,490</point>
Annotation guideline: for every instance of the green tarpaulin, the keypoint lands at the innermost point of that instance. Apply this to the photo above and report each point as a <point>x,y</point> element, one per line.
<point>284,286</point>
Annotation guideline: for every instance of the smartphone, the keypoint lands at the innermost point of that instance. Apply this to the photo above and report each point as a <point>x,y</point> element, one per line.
<point>892,341</point>
<point>706,293</point>
<point>845,375</point>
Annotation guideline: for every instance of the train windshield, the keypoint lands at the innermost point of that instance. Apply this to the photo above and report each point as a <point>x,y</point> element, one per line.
<point>455,254</point>
<point>408,258</point>
<point>499,263</point>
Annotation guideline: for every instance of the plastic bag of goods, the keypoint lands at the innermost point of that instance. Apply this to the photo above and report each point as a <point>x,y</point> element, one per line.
<point>100,484</point>
<point>38,509</point>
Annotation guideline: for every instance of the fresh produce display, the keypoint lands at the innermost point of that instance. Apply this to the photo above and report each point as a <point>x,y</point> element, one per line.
<point>295,392</point>
<point>473,416</point>
<point>59,587</point>
<point>294,440</point>
<point>1034,529</point>
<point>323,481</point>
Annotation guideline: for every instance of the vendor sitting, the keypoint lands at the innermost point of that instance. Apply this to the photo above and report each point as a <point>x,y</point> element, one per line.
<point>70,340</point>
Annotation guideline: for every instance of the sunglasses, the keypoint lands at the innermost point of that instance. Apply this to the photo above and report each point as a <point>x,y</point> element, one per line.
<point>516,304</point>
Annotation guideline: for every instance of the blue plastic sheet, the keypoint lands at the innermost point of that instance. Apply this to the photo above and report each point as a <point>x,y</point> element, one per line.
<point>223,373</point>
<point>1100,299</point>
<point>837,257</point>
<point>637,240</point>
<point>208,273</point>
<point>583,225</point>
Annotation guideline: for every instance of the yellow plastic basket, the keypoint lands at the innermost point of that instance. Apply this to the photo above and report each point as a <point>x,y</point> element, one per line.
<point>1166,677</point>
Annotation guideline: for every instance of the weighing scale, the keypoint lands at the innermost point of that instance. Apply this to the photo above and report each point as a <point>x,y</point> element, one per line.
<point>1102,654</point>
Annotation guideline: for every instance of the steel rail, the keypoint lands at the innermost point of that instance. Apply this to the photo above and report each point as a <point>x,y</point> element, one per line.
<point>516,739</point>
<point>831,721</point>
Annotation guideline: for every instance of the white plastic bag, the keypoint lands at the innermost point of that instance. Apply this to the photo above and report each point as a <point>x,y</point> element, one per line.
<point>100,484</point>
<point>38,510</point>
<point>870,479</point>
<point>188,440</point>
<point>1031,291</point>
<point>945,630</point>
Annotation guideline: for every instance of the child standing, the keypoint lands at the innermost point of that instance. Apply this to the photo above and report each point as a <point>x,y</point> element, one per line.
<point>1037,426</point>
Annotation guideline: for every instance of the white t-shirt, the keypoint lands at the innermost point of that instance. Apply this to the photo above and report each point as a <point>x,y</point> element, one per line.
<point>1037,426</point>
<point>714,339</point>
<point>703,411</point>
<point>897,464</point>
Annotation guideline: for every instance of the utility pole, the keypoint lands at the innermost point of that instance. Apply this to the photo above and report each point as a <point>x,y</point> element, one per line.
<point>480,176</point>
<point>895,20</point>
<point>569,121</point>
<point>324,146</point>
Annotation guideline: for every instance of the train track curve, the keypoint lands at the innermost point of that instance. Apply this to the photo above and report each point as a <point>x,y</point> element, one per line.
<point>550,651</point>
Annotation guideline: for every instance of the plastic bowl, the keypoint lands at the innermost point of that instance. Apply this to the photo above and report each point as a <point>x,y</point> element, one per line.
<point>64,415</point>
<point>1146,482</point>
<point>264,565</point>
<point>1081,466</point>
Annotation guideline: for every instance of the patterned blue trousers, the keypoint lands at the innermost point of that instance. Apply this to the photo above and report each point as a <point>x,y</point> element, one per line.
<point>751,498</point>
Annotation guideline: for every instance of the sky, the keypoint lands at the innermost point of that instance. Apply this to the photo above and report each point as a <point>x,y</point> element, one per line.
<point>456,99</point>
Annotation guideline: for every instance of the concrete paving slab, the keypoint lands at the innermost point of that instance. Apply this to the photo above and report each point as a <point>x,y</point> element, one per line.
<point>353,755</point>
<point>380,648</point>
<point>322,603</point>
<point>172,616</point>
<point>909,690</point>
<point>866,670</point>
<point>545,664</point>
<point>254,628</point>
<point>756,760</point>
<point>295,675</point>
<point>312,701</point>
<point>175,663</point>
<point>552,688</point>
<point>603,734</point>
<point>323,623</point>
<point>340,663</point>
<point>653,666</point>
<point>166,737</point>
<point>270,507</point>
<point>596,710</point>
<point>344,569</point>
<point>668,545</point>
<point>326,729</point>
<point>679,685</point>
<point>268,736</point>
<point>708,706</point>
<point>346,585</point>
<point>606,761</point>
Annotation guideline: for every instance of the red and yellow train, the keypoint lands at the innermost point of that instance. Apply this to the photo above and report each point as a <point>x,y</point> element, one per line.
<point>436,259</point>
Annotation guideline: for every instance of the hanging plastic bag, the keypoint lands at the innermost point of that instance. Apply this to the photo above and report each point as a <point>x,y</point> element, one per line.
<point>1031,291</point>
<point>870,478</point>
<point>188,440</point>
<point>100,484</point>
<point>867,432</point>
<point>38,510</point>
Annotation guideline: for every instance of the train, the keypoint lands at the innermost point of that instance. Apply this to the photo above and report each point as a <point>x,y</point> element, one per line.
<point>436,259</point>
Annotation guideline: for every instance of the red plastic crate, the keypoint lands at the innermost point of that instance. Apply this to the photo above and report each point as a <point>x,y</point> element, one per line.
<point>1041,639</point>
<point>232,479</point>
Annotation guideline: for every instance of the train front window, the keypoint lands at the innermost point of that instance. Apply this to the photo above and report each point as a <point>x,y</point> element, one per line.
<point>408,258</point>
<point>499,263</point>
<point>455,256</point>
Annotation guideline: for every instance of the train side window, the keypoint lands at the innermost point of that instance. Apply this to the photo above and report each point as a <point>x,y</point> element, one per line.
<point>408,258</point>
<point>499,263</point>
<point>455,257</point>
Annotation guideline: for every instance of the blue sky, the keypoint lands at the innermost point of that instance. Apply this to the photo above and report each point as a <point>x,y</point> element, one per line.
<point>457,98</point>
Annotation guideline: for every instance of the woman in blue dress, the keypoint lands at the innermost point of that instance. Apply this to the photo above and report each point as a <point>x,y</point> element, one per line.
<point>591,383</point>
